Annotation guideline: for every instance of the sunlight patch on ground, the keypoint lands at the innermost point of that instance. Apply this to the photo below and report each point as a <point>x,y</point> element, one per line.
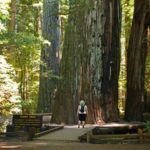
<point>41,143</point>
<point>10,147</point>
<point>114,124</point>
<point>76,126</point>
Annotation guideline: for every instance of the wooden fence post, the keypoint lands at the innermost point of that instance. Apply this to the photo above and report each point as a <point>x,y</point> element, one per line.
<point>89,135</point>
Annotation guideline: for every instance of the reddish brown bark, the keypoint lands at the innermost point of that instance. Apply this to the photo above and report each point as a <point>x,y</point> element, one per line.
<point>136,57</point>
<point>111,61</point>
<point>91,48</point>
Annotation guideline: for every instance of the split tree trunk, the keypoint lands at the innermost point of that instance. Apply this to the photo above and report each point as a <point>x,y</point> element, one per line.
<point>49,69</point>
<point>90,62</point>
<point>136,57</point>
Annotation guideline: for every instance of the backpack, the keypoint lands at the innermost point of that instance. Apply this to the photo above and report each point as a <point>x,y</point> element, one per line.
<point>82,109</point>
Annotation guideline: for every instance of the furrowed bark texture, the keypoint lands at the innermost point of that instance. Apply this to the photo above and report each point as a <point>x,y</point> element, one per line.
<point>136,57</point>
<point>49,69</point>
<point>82,62</point>
<point>111,60</point>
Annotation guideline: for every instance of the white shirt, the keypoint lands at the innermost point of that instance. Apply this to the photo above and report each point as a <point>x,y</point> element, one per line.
<point>79,110</point>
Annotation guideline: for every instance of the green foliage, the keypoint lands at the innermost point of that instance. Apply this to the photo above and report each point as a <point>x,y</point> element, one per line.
<point>23,52</point>
<point>21,49</point>
<point>4,14</point>
<point>64,7</point>
<point>147,73</point>
<point>148,126</point>
<point>9,95</point>
<point>4,121</point>
<point>29,106</point>
<point>50,75</point>
<point>28,15</point>
<point>127,16</point>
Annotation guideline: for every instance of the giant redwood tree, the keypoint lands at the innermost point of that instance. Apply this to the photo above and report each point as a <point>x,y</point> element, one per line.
<point>90,62</point>
<point>49,69</point>
<point>136,57</point>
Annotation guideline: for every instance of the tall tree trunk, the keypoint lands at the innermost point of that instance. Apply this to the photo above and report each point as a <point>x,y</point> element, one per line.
<point>91,50</point>
<point>11,23</point>
<point>111,61</point>
<point>136,57</point>
<point>49,69</point>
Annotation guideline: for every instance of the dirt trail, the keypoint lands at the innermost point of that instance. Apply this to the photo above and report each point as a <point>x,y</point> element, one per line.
<point>57,145</point>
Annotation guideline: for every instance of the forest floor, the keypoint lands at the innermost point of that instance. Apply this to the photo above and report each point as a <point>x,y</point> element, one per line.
<point>60,145</point>
<point>65,139</point>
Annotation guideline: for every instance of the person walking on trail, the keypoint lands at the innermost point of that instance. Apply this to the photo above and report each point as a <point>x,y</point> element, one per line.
<point>82,113</point>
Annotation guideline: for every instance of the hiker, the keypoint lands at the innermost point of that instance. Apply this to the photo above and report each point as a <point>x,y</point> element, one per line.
<point>82,113</point>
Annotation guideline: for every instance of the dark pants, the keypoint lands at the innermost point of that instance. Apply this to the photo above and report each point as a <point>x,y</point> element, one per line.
<point>82,117</point>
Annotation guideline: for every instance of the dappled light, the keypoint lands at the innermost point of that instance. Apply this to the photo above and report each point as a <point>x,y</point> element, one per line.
<point>74,71</point>
<point>9,147</point>
<point>4,145</point>
<point>75,126</point>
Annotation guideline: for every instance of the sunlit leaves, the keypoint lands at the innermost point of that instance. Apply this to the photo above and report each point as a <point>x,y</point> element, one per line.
<point>9,95</point>
<point>40,4</point>
<point>147,72</point>
<point>22,48</point>
<point>127,16</point>
<point>46,42</point>
<point>4,14</point>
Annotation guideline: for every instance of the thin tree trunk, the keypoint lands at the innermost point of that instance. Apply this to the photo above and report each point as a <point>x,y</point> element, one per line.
<point>11,23</point>
<point>37,21</point>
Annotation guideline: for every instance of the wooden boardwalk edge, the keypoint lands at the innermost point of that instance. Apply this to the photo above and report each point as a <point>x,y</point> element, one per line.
<point>48,131</point>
